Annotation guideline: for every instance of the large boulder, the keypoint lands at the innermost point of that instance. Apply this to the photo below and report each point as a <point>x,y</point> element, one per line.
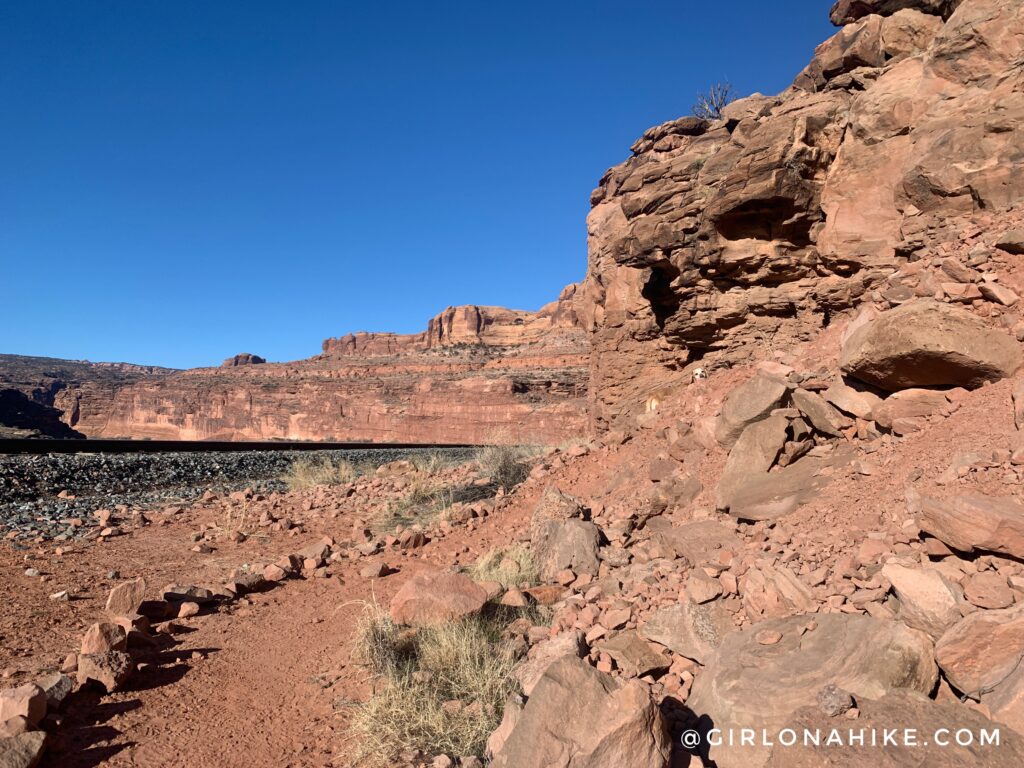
<point>972,522</point>
<point>436,597</point>
<point>979,652</point>
<point>753,685</point>
<point>751,401</point>
<point>934,726</point>
<point>929,344</point>
<point>753,454</point>
<point>544,654</point>
<point>561,539</point>
<point>28,701</point>
<point>578,717</point>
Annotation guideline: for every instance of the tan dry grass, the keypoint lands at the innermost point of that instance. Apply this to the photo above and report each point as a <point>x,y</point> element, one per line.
<point>444,688</point>
<point>308,472</point>
<point>509,566</point>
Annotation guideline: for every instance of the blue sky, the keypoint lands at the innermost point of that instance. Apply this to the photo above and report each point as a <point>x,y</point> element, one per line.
<point>181,181</point>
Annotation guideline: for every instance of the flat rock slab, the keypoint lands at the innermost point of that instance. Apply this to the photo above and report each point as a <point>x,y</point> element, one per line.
<point>926,343</point>
<point>898,711</point>
<point>973,522</point>
<point>434,598</point>
<point>634,656</point>
<point>750,685</point>
<point>981,651</point>
<point>689,629</point>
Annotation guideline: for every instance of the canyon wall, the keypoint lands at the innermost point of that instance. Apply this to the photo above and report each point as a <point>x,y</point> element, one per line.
<point>475,375</point>
<point>727,240</point>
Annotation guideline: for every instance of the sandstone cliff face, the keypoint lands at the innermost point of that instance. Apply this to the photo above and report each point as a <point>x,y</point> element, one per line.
<point>727,240</point>
<point>477,374</point>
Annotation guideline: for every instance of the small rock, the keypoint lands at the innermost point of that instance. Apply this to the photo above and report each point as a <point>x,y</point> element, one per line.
<point>768,637</point>
<point>104,636</point>
<point>188,609</point>
<point>111,669</point>
<point>834,701</point>
<point>28,701</point>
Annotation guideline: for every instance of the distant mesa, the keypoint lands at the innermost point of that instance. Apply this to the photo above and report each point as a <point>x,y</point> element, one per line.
<point>245,358</point>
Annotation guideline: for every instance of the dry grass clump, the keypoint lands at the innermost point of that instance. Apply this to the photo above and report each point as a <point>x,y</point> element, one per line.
<point>443,692</point>
<point>509,566</point>
<point>430,463</point>
<point>308,472</point>
<point>505,464</point>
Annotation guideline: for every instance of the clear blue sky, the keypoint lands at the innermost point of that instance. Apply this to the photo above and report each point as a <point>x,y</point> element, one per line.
<point>184,180</point>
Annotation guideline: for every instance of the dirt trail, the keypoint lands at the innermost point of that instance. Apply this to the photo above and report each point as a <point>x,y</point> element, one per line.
<point>252,700</point>
<point>267,680</point>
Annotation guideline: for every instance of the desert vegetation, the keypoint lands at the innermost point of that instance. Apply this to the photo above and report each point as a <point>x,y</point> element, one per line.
<point>509,566</point>
<point>710,103</point>
<point>441,689</point>
<point>310,471</point>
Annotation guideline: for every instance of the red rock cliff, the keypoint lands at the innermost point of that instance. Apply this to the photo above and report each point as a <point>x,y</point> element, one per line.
<point>476,374</point>
<point>727,240</point>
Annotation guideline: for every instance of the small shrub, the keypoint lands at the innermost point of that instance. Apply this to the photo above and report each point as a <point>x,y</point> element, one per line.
<point>447,696</point>
<point>307,472</point>
<point>509,566</point>
<point>504,464</point>
<point>710,103</point>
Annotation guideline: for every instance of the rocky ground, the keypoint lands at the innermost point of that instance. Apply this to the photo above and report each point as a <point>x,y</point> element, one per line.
<point>800,509</point>
<point>54,495</point>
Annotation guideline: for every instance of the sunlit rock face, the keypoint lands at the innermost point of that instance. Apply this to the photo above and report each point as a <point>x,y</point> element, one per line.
<point>719,241</point>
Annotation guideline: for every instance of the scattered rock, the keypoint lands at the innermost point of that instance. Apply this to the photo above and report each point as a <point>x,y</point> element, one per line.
<point>28,701</point>
<point>104,636</point>
<point>111,669</point>
<point>22,751</point>
<point>928,600</point>
<point>125,598</point>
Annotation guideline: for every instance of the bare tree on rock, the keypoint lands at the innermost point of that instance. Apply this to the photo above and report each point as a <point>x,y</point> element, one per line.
<point>710,103</point>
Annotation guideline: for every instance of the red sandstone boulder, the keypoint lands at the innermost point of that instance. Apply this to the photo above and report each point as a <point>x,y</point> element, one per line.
<point>935,727</point>
<point>580,717</point>
<point>928,344</point>
<point>436,597</point>
<point>980,651</point>
<point>125,598</point>
<point>971,522</point>
<point>28,701</point>
<point>103,637</point>
<point>111,669</point>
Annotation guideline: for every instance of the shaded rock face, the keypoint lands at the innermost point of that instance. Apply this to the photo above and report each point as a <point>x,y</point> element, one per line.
<point>721,241</point>
<point>476,375</point>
